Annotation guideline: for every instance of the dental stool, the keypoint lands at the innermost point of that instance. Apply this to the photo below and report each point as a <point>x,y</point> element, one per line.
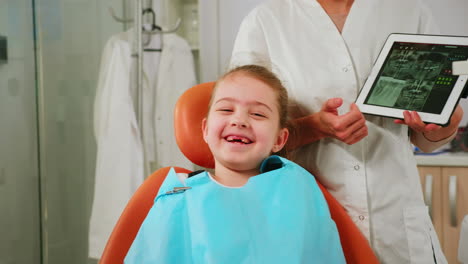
<point>190,109</point>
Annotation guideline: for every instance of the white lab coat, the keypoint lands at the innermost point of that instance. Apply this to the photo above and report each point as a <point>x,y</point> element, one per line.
<point>376,180</point>
<point>120,166</point>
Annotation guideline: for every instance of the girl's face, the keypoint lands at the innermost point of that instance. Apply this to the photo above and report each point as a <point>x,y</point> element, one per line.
<point>242,127</point>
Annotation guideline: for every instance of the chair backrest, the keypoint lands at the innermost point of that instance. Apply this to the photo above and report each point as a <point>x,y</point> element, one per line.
<point>190,109</point>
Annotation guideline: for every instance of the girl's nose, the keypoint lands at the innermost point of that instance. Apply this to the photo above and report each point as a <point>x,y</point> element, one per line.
<point>239,121</point>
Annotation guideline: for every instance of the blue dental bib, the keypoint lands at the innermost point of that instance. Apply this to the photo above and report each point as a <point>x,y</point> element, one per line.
<point>278,216</point>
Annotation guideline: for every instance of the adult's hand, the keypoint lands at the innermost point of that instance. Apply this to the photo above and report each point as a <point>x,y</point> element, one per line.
<point>431,132</point>
<point>413,120</point>
<point>349,128</point>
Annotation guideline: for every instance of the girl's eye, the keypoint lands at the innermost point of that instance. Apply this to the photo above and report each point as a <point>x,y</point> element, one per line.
<point>258,114</point>
<point>225,110</point>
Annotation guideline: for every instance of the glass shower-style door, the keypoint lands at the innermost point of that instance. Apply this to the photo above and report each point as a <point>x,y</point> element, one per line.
<point>47,147</point>
<point>71,35</point>
<point>19,172</point>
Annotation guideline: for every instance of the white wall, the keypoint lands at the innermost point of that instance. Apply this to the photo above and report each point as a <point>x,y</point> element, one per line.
<point>219,21</point>
<point>232,13</point>
<point>452,18</point>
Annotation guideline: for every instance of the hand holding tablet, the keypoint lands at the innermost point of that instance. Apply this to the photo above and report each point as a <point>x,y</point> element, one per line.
<point>414,73</point>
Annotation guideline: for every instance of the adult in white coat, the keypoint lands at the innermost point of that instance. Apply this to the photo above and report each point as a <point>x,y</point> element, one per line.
<point>120,150</point>
<point>323,50</point>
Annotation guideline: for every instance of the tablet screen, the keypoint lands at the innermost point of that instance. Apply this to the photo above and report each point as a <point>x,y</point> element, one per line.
<point>416,76</point>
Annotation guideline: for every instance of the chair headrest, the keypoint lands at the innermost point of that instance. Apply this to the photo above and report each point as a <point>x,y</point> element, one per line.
<point>191,108</point>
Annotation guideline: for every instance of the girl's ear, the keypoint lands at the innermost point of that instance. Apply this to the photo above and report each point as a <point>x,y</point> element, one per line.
<point>281,140</point>
<point>204,129</point>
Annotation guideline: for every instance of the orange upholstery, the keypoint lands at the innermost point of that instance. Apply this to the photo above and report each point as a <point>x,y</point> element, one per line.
<point>132,217</point>
<point>355,246</point>
<point>191,108</point>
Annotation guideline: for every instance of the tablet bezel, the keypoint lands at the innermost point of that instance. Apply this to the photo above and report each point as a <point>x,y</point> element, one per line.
<point>441,119</point>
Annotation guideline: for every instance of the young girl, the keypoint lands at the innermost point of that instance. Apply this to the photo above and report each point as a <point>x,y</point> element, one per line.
<point>254,208</point>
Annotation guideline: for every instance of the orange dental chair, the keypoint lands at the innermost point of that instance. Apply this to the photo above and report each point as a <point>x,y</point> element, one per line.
<point>191,108</point>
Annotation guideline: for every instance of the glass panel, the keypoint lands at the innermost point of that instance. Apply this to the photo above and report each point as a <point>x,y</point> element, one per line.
<point>71,36</point>
<point>19,174</point>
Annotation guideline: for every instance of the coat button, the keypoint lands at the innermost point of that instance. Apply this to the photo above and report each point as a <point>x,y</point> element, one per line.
<point>361,217</point>
<point>356,167</point>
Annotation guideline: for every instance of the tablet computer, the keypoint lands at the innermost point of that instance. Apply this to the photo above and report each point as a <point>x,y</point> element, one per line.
<point>414,72</point>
